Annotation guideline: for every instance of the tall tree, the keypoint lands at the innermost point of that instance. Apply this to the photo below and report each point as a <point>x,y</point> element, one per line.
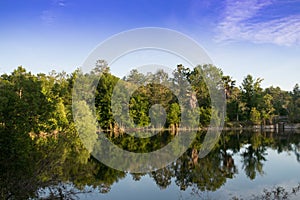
<point>294,105</point>
<point>251,93</point>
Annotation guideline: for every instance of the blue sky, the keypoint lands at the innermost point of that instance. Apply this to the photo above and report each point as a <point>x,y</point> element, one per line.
<point>258,37</point>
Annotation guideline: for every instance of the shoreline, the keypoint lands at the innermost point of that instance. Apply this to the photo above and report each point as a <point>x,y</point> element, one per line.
<point>255,128</point>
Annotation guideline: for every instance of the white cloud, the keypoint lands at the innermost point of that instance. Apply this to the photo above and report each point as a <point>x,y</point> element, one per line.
<point>60,3</point>
<point>49,16</point>
<point>236,24</point>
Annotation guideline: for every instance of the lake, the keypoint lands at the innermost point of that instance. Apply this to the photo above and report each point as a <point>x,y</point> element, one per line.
<point>242,165</point>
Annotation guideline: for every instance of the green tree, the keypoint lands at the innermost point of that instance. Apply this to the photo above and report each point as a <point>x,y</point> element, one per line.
<point>280,100</point>
<point>267,109</point>
<point>251,94</point>
<point>255,116</point>
<point>103,100</point>
<point>173,116</point>
<point>294,105</point>
<point>86,124</point>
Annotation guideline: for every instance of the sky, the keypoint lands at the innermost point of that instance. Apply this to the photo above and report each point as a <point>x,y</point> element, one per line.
<point>257,37</point>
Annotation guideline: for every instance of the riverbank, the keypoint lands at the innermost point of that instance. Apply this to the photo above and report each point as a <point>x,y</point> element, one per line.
<point>277,128</point>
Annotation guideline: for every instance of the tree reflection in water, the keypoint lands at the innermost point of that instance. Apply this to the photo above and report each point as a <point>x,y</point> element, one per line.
<point>62,167</point>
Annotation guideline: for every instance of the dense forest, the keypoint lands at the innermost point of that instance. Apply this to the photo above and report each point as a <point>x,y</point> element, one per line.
<point>43,103</point>
<point>36,119</point>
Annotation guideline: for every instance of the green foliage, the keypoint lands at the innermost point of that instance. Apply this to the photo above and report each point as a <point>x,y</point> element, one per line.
<point>267,110</point>
<point>174,114</point>
<point>103,100</point>
<point>255,116</point>
<point>251,94</point>
<point>86,124</point>
<point>294,105</point>
<point>280,100</point>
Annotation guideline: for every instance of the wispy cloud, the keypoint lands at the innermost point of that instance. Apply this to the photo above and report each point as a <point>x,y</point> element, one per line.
<point>60,3</point>
<point>242,21</point>
<point>48,16</point>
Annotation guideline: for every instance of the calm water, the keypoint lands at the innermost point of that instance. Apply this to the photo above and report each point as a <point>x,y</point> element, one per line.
<point>241,165</point>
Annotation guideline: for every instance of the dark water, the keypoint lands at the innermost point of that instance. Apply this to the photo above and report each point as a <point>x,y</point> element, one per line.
<point>242,165</point>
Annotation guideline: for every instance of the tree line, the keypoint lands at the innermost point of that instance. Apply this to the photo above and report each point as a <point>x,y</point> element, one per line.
<point>43,103</point>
